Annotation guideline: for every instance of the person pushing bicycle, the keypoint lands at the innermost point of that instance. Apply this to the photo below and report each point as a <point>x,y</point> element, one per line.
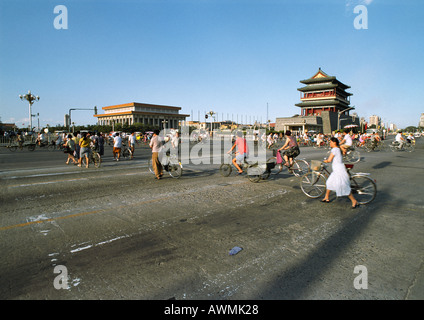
<point>241,152</point>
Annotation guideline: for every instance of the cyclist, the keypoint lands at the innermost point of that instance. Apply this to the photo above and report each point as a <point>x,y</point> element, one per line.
<point>399,139</point>
<point>346,142</point>
<point>242,151</point>
<point>320,139</point>
<point>375,140</point>
<point>410,138</point>
<point>292,149</point>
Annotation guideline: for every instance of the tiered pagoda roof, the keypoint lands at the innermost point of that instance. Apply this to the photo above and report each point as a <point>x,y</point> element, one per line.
<point>322,90</point>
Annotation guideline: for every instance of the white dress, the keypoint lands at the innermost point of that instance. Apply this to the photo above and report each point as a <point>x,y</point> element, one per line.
<point>338,180</point>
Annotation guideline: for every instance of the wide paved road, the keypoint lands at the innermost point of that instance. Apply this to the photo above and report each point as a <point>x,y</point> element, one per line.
<point>121,234</point>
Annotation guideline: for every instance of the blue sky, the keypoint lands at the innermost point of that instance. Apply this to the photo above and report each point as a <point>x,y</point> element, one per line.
<point>230,56</point>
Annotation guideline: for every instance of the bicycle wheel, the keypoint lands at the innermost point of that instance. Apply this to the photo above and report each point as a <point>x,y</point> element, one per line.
<point>313,184</point>
<point>382,146</point>
<point>50,147</point>
<point>273,167</point>
<point>225,169</point>
<point>31,147</point>
<point>12,148</point>
<point>409,147</point>
<point>125,153</point>
<point>368,147</point>
<point>300,167</point>
<point>175,170</point>
<point>363,188</point>
<point>257,172</point>
<point>352,157</point>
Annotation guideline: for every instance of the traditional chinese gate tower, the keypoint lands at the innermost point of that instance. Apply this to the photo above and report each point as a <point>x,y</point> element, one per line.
<point>323,93</point>
<point>325,106</point>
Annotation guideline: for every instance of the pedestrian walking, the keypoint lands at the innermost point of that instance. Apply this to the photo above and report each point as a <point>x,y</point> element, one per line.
<point>117,145</point>
<point>101,145</point>
<point>175,142</point>
<point>131,143</point>
<point>76,139</point>
<point>156,145</point>
<point>70,149</point>
<point>338,181</point>
<point>85,150</point>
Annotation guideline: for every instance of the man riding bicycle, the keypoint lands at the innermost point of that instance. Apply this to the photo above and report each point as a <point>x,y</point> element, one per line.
<point>346,142</point>
<point>241,152</point>
<point>375,140</point>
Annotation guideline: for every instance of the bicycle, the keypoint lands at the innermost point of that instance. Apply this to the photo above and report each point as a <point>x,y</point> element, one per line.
<point>94,158</point>
<point>323,144</point>
<point>374,146</point>
<point>298,168</point>
<point>126,152</point>
<point>50,146</point>
<point>396,146</point>
<point>313,184</point>
<point>172,165</point>
<point>255,171</point>
<point>351,156</point>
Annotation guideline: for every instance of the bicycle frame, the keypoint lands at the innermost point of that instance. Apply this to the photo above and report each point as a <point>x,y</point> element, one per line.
<point>298,168</point>
<point>254,171</point>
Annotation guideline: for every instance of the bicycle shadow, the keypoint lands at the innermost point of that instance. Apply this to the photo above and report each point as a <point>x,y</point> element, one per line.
<point>382,165</point>
<point>296,281</point>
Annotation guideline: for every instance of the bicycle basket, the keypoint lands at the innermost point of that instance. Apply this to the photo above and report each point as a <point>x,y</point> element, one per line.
<point>316,165</point>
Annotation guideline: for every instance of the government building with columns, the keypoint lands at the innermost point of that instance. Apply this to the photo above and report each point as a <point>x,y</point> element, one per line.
<point>147,114</point>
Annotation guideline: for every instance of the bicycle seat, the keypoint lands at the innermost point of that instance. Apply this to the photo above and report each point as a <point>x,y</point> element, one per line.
<point>348,166</point>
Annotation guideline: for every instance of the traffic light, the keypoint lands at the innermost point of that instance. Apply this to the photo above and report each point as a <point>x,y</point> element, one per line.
<point>206,116</point>
<point>95,110</point>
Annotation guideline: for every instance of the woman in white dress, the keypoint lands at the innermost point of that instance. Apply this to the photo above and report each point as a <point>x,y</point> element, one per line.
<point>338,181</point>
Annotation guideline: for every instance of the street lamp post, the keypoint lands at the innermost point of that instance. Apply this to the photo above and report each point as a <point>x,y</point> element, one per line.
<point>31,99</point>
<point>339,113</point>
<point>69,115</point>
<point>211,114</point>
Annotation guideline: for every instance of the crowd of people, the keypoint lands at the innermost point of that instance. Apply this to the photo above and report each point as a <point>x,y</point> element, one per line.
<point>79,145</point>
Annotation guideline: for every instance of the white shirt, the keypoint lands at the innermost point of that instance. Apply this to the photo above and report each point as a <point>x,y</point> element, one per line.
<point>131,139</point>
<point>117,142</point>
<point>399,137</point>
<point>175,141</point>
<point>348,140</point>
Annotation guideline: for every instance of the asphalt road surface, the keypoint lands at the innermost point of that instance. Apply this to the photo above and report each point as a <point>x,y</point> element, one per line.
<point>117,233</point>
